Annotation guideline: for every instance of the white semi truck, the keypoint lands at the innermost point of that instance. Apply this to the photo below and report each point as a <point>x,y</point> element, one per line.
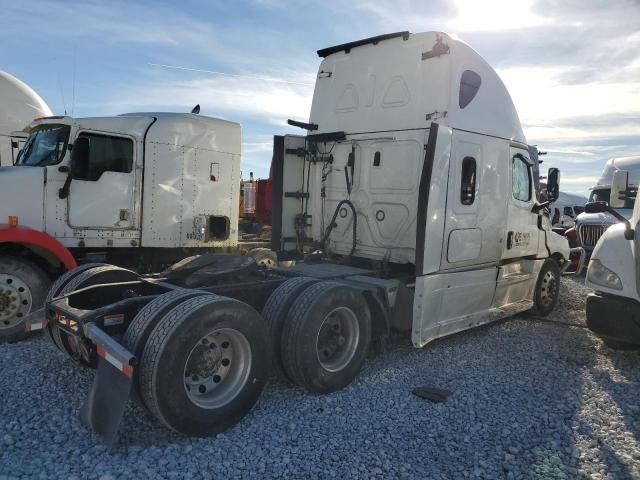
<point>138,190</point>
<point>409,205</point>
<point>19,106</point>
<point>590,226</point>
<point>613,310</point>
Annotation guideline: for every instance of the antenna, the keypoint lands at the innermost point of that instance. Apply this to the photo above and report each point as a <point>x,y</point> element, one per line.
<point>73,91</point>
<point>64,105</point>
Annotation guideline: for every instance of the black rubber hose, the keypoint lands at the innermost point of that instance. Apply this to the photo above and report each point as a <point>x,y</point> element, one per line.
<point>332,223</point>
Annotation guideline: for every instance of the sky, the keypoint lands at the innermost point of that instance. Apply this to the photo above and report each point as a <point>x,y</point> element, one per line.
<point>572,66</point>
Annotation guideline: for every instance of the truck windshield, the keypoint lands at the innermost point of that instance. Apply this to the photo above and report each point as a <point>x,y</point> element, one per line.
<point>604,194</point>
<point>45,146</point>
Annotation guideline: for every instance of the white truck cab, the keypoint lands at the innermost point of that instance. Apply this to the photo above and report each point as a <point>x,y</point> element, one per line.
<point>139,190</point>
<point>613,311</point>
<point>415,156</point>
<point>19,106</point>
<point>566,209</point>
<point>591,226</point>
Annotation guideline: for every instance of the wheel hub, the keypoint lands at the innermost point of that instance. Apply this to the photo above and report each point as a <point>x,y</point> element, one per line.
<point>338,339</point>
<point>15,301</point>
<point>548,288</point>
<point>217,368</point>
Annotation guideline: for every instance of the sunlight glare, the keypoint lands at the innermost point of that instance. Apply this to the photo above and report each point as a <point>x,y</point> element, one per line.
<point>485,15</point>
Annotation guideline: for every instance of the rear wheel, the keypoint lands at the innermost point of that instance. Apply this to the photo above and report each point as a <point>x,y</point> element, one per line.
<point>275,313</point>
<point>326,337</point>
<point>142,324</point>
<point>547,288</point>
<point>89,277</point>
<point>204,365</point>
<point>23,289</point>
<point>59,284</point>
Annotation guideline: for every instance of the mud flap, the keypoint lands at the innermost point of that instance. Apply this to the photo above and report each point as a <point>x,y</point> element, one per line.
<point>104,407</point>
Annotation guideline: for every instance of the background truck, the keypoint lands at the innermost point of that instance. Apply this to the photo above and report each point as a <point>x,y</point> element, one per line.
<point>19,106</point>
<point>138,190</point>
<point>613,310</point>
<point>590,226</point>
<point>410,205</point>
<point>566,209</point>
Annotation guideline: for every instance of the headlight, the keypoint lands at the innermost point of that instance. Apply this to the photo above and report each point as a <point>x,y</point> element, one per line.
<point>601,275</point>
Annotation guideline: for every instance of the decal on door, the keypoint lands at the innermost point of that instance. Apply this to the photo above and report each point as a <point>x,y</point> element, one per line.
<point>518,239</point>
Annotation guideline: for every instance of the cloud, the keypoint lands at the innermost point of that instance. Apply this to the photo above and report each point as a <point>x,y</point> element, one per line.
<point>585,180</point>
<point>232,97</point>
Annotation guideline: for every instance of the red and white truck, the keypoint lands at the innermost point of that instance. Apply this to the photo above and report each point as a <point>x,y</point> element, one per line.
<point>138,190</point>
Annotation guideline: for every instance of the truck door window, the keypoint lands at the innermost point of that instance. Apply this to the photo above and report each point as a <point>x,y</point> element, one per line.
<point>521,180</point>
<point>468,181</point>
<point>107,154</point>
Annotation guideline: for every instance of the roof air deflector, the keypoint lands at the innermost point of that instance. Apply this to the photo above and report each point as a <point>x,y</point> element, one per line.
<point>346,47</point>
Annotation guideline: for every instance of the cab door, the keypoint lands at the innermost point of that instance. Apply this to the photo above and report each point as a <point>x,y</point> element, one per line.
<point>522,233</point>
<point>101,192</point>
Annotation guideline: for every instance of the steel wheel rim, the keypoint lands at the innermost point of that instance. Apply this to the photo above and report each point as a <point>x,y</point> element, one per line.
<point>548,289</point>
<point>15,301</point>
<point>338,338</point>
<point>217,368</point>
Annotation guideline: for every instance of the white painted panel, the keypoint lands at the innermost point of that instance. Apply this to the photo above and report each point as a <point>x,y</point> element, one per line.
<point>443,301</point>
<point>464,245</point>
<point>98,204</point>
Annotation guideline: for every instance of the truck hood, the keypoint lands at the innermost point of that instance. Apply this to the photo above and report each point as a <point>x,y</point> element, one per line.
<point>602,218</point>
<point>22,195</point>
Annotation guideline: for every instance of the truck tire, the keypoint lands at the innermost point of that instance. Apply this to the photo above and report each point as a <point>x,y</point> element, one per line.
<point>204,365</point>
<point>23,289</point>
<point>618,345</point>
<point>88,277</point>
<point>275,313</point>
<point>140,327</point>
<point>264,256</point>
<point>547,288</point>
<point>326,337</point>
<point>57,286</point>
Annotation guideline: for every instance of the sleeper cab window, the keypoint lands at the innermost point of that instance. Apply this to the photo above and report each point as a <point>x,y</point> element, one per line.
<point>105,154</point>
<point>468,181</point>
<point>521,180</point>
<point>469,86</point>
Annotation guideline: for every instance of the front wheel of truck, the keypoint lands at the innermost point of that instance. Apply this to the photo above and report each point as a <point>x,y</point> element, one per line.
<point>23,289</point>
<point>204,365</point>
<point>547,288</point>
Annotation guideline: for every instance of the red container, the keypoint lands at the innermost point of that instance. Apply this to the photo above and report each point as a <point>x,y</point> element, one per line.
<point>264,202</point>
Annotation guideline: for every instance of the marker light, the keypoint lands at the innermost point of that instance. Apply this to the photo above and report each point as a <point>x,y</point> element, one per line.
<point>13,221</point>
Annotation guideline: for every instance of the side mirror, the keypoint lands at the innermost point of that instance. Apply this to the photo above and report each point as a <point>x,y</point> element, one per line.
<point>619,189</point>
<point>553,184</point>
<point>596,207</point>
<point>80,157</point>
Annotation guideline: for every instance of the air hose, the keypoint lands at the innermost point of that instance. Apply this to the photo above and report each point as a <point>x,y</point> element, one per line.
<point>333,223</point>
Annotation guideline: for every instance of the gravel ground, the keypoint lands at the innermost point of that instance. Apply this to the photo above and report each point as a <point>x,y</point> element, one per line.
<point>530,399</point>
